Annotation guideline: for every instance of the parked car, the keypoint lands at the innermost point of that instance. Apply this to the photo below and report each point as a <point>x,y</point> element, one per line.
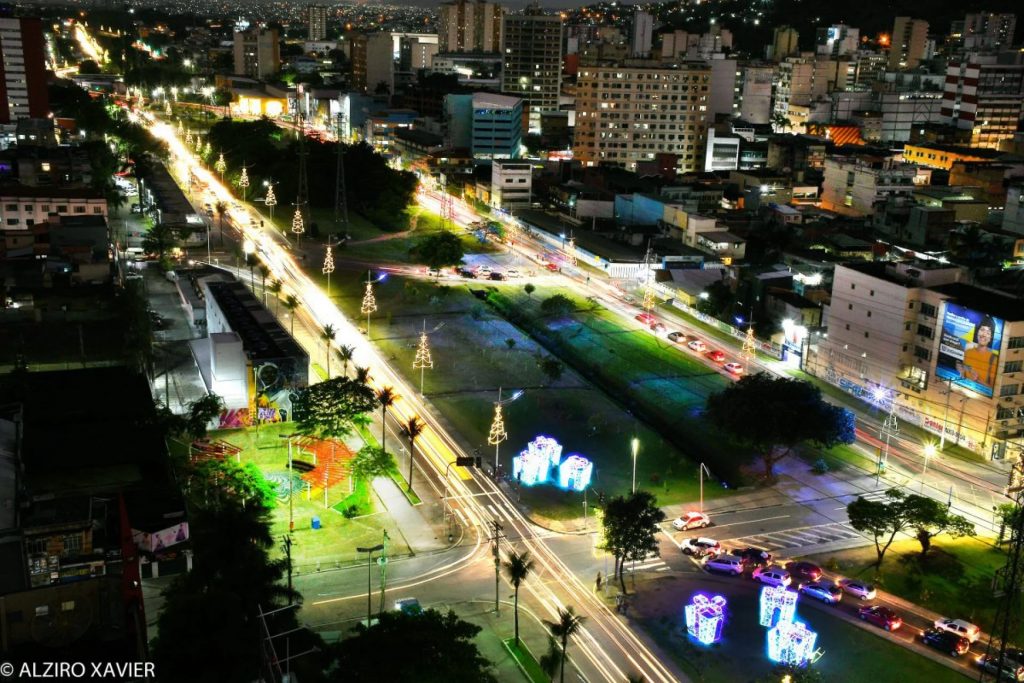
<point>409,606</point>
<point>947,642</point>
<point>496,276</point>
<point>698,346</point>
<point>699,547</point>
<point>691,520</point>
<point>553,267</point>
<point>880,616</point>
<point>647,318</point>
<point>658,328</point>
<point>964,629</point>
<point>511,273</point>
<point>724,563</point>
<point>804,571</point>
<point>859,589</point>
<point>733,368</point>
<point>677,337</point>
<point>465,272</point>
<point>826,591</point>
<point>1011,669</point>
<point>716,356</point>
<point>752,556</point>
<point>772,576</point>
<point>482,271</point>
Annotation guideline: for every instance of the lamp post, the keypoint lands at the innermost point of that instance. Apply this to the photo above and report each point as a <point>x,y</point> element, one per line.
<point>328,261</point>
<point>271,198</point>
<point>929,453</point>
<point>291,481</point>
<point>369,565</point>
<point>634,446</point>
<point>700,471</point>
<point>369,304</point>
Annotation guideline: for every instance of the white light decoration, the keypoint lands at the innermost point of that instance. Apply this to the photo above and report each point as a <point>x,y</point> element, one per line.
<point>791,642</point>
<point>777,605</point>
<point>705,617</point>
<point>533,466</point>
<point>574,472</point>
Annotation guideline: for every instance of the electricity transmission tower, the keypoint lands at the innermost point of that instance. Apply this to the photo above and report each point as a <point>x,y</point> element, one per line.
<point>340,197</point>
<point>302,193</point>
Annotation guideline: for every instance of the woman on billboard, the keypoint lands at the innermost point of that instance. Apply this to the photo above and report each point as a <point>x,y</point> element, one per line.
<point>980,361</point>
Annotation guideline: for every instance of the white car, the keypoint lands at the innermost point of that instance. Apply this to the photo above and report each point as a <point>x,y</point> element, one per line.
<point>964,629</point>
<point>698,346</point>
<point>700,547</point>
<point>858,589</point>
<point>511,273</point>
<point>772,576</point>
<point>733,368</point>
<point>728,564</point>
<point>691,520</point>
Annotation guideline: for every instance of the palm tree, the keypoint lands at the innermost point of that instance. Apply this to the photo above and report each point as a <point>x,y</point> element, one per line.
<point>264,272</point>
<point>291,302</point>
<point>222,208</point>
<point>386,397</point>
<point>345,352</point>
<point>517,567</point>
<point>251,260</point>
<point>569,624</point>
<point>327,335</point>
<point>362,375</point>
<point>275,289</point>
<point>413,428</point>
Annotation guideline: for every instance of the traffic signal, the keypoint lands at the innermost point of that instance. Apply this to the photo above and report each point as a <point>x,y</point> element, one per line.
<point>469,462</point>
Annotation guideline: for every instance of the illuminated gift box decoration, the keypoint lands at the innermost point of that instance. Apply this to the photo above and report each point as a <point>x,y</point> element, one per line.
<point>533,465</point>
<point>705,617</point>
<point>574,472</point>
<point>791,642</point>
<point>777,605</point>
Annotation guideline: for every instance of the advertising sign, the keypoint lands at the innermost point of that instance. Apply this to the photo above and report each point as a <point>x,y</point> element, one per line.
<point>969,349</point>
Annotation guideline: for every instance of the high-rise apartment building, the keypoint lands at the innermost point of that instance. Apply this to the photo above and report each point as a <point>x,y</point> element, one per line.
<point>641,35</point>
<point>316,18</point>
<point>784,42</point>
<point>22,70</point>
<point>257,52</point>
<point>627,115</point>
<point>838,40</point>
<point>908,43</point>
<point>984,97</point>
<point>986,30</point>
<point>531,45</point>
<point>469,26</point>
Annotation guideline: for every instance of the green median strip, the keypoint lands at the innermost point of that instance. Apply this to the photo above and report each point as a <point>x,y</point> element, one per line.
<point>525,660</point>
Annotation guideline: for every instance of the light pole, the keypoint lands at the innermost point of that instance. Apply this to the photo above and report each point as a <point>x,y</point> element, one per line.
<point>328,261</point>
<point>369,302</point>
<point>700,471</point>
<point>890,428</point>
<point>634,446</point>
<point>369,575</point>
<point>929,453</point>
<point>291,481</point>
<point>497,433</point>
<point>271,198</point>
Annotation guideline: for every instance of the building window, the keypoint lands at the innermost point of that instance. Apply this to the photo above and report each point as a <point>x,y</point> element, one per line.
<point>42,610</point>
<point>871,293</point>
<point>849,307</point>
<point>922,353</point>
<point>867,334</point>
<point>79,209</point>
<point>925,331</point>
<point>847,325</point>
<point>853,286</point>
<point>67,606</point>
<point>1015,343</point>
<point>62,208</point>
<point>10,207</point>
<point>35,546</point>
<point>928,310</point>
<point>1013,366</point>
<point>911,305</point>
<point>869,314</point>
<point>72,543</point>
<point>1004,413</point>
<point>1009,390</point>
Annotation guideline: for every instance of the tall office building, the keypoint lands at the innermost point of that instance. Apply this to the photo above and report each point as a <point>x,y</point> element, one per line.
<point>838,40</point>
<point>627,115</point>
<point>908,44</point>
<point>985,98</point>
<point>22,70</point>
<point>257,52</point>
<point>784,42</point>
<point>316,17</point>
<point>641,36</point>
<point>987,30</point>
<point>469,26</point>
<point>531,45</point>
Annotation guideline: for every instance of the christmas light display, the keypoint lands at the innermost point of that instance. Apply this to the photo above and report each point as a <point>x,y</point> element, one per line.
<point>791,642</point>
<point>749,344</point>
<point>705,617</point>
<point>574,473</point>
<point>243,181</point>
<point>220,166</point>
<point>271,200</point>
<point>423,360</point>
<point>533,466</point>
<point>777,605</point>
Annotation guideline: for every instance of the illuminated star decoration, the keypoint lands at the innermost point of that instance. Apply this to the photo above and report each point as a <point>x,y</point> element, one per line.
<point>243,180</point>
<point>188,139</point>
<point>271,197</point>
<point>497,433</point>
<point>220,166</point>
<point>369,301</point>
<point>423,359</point>
<point>705,618</point>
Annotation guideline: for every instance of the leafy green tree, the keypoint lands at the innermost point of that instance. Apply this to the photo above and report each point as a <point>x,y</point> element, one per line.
<point>333,408</point>
<point>160,239</point>
<point>529,289</point>
<point>432,647</point>
<point>439,250</point>
<point>882,519</point>
<point>568,624</point>
<point>552,368</point>
<point>930,518</point>
<point>327,336</point>
<point>631,529</point>
<point>201,413</point>
<point>774,415</point>
<point>1008,515</point>
<point>557,305</point>
<point>372,462</point>
<point>517,567</point>
<point>362,375</point>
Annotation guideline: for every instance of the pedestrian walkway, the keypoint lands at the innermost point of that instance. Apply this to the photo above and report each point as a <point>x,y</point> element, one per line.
<point>419,535</point>
<point>802,538</point>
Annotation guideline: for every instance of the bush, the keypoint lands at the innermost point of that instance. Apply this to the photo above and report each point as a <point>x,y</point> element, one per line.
<point>820,466</point>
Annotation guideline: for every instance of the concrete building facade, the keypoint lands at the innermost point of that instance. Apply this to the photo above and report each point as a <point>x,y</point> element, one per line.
<point>531,44</point>
<point>257,52</point>
<point>469,26</point>
<point>908,43</point>
<point>22,70</point>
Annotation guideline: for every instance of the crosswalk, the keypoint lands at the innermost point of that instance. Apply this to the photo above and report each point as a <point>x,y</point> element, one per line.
<point>488,512</point>
<point>651,564</point>
<point>800,537</point>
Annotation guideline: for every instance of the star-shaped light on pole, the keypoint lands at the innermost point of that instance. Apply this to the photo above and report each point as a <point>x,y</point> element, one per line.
<point>271,200</point>
<point>189,139</point>
<point>497,433</point>
<point>749,344</point>
<point>369,303</point>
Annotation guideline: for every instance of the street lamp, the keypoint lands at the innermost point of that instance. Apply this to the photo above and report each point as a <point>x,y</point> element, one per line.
<point>701,471</point>
<point>634,446</point>
<point>369,304</point>
<point>291,517</point>
<point>929,453</point>
<point>369,564</point>
<point>271,198</point>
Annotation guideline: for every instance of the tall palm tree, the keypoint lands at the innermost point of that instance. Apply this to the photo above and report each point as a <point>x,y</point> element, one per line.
<point>291,303</point>
<point>362,375</point>
<point>275,289</point>
<point>251,260</point>
<point>569,624</point>
<point>264,272</point>
<point>517,567</point>
<point>345,352</point>
<point>413,428</point>
<point>222,208</point>
<point>327,335</point>
<point>386,397</point>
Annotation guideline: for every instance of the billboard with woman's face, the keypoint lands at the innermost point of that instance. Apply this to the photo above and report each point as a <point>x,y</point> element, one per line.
<point>969,349</point>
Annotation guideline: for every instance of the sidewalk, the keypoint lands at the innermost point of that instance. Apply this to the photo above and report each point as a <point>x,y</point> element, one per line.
<point>418,534</point>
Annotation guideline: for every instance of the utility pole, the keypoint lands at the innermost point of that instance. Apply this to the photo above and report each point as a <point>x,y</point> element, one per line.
<point>340,198</point>
<point>890,428</point>
<point>382,561</point>
<point>496,539</point>
<point>287,545</point>
<point>302,192</point>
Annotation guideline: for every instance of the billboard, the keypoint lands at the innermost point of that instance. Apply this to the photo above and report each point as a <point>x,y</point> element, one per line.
<point>969,349</point>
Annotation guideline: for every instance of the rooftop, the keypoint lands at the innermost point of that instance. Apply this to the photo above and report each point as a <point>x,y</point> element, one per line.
<point>263,338</point>
<point>984,300</point>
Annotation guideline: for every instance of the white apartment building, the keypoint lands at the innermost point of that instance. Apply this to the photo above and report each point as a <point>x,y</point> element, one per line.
<point>631,114</point>
<point>838,40</point>
<point>908,44</point>
<point>511,184</point>
<point>985,98</point>
<point>755,104</point>
<point>905,335</point>
<point>21,206</point>
<point>800,80</point>
<point>469,26</point>
<point>856,186</point>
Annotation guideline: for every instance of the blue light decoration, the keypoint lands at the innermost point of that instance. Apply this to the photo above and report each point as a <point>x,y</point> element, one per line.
<point>533,466</point>
<point>705,617</point>
<point>791,642</point>
<point>574,472</point>
<point>777,605</point>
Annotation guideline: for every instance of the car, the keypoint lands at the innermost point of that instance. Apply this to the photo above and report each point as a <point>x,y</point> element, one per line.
<point>482,271</point>
<point>880,616</point>
<point>858,589</point>
<point>1011,669</point>
<point>752,556</point>
<point>947,642</point>
<point>804,571</point>
<point>512,272</point>
<point>724,563</point>
<point>647,318</point>
<point>826,591</point>
<point>658,328</point>
<point>734,368</point>
<point>964,629</point>
<point>691,520</point>
<point>677,337</point>
<point>772,576</point>
<point>699,547</point>
<point>698,346</point>
<point>467,273</point>
<point>495,276</point>
<point>553,267</point>
<point>408,606</point>
<point>716,356</point>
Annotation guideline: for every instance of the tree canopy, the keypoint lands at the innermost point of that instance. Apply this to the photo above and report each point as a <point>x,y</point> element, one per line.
<point>439,250</point>
<point>773,415</point>
<point>333,408</point>
<point>930,518</point>
<point>882,519</point>
<point>372,462</point>
<point>557,305</point>
<point>631,528</point>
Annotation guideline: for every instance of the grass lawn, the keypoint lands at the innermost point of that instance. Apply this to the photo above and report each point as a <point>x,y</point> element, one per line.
<point>527,662</point>
<point>955,581</point>
<point>337,538</point>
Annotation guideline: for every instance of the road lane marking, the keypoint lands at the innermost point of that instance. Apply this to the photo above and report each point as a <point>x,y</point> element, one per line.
<point>751,521</point>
